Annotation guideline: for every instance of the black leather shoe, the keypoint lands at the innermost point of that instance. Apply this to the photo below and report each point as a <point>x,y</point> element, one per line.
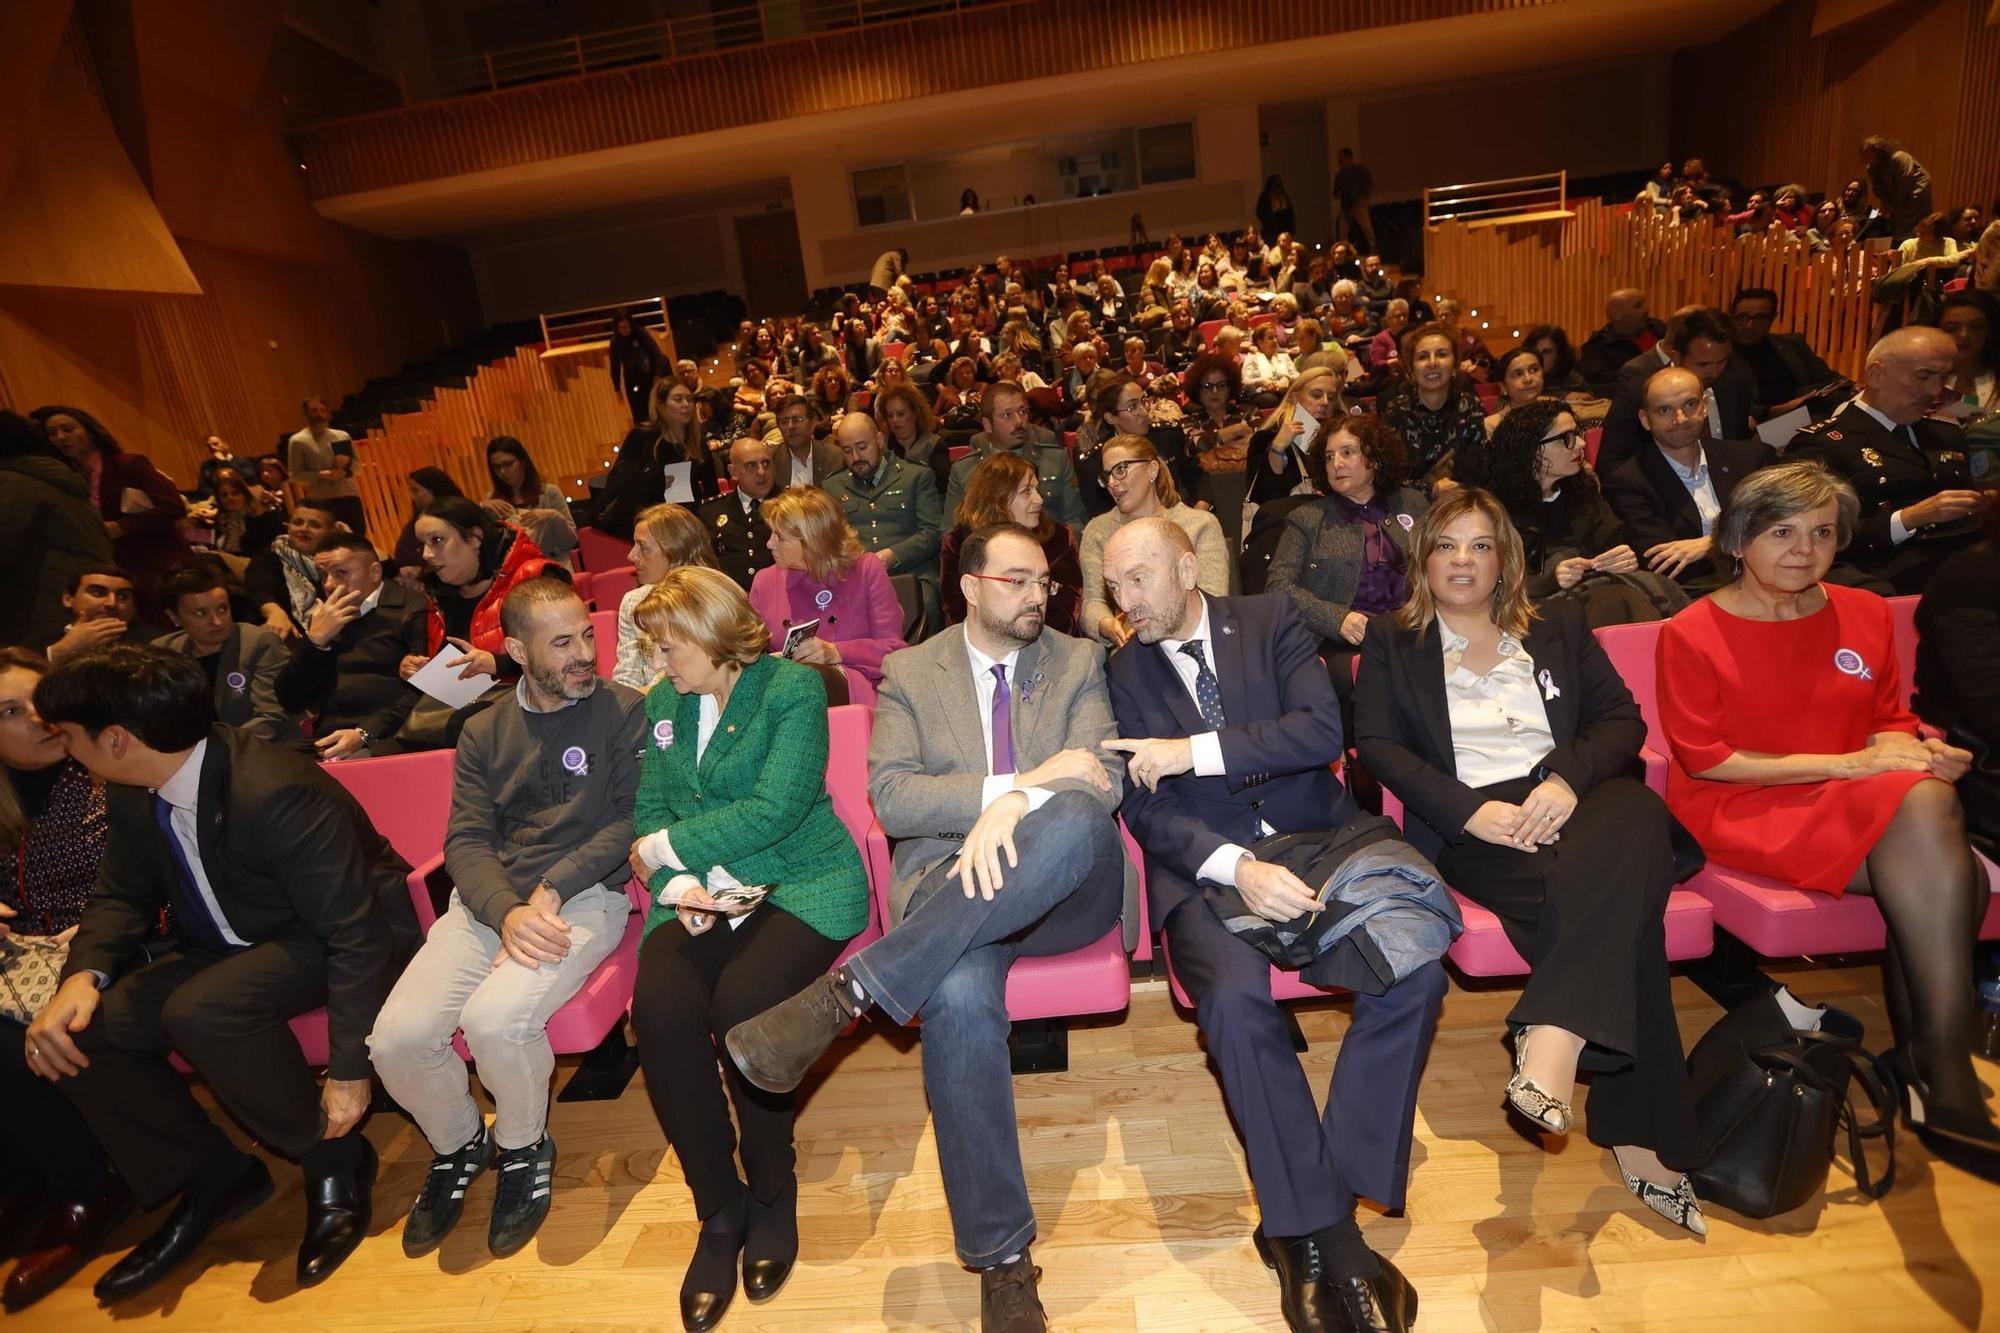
<point>190,1223</point>
<point>771,1245</point>
<point>72,1234</point>
<point>1008,1301</point>
<point>1306,1300</point>
<point>1385,1303</point>
<point>338,1210</point>
<point>777,1048</point>
<point>710,1284</point>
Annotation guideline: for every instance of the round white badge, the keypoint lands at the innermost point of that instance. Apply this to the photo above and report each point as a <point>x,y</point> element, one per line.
<point>1850,663</point>
<point>663,733</point>
<point>237,681</point>
<point>823,598</point>
<point>575,760</point>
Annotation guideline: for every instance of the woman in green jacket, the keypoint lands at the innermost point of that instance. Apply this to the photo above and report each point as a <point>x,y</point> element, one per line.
<point>733,794</point>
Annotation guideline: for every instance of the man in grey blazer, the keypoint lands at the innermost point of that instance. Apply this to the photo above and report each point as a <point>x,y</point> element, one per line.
<point>242,661</point>
<point>985,766</point>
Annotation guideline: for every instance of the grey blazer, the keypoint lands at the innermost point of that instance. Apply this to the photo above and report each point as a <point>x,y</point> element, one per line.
<point>246,681</point>
<point>927,763</point>
<point>1318,560</point>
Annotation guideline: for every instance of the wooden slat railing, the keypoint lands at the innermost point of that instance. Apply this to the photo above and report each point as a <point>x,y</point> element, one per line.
<point>564,409</point>
<point>1560,271</point>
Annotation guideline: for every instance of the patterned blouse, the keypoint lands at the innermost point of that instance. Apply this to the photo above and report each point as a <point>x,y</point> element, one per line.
<point>1450,441</point>
<point>55,865</point>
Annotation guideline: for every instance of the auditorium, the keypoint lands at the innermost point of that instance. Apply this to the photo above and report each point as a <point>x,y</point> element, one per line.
<point>1001,665</point>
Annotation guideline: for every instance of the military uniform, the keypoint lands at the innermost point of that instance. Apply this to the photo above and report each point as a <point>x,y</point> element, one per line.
<point>741,538</point>
<point>1891,470</point>
<point>896,510</point>
<point>1061,496</point>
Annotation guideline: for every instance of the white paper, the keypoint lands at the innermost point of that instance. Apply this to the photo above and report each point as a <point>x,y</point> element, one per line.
<point>680,483</point>
<point>1778,431</point>
<point>442,683</point>
<point>1308,427</point>
<point>132,500</point>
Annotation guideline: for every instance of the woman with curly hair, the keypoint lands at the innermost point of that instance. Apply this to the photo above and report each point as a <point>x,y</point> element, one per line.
<point>1535,467</point>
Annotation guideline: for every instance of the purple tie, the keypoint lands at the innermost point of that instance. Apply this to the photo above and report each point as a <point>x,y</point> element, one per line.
<point>1003,723</point>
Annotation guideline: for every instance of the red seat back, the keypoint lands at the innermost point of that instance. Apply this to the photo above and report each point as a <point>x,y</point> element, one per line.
<point>600,550</point>
<point>407,797</point>
<point>1634,650</point>
<point>1903,614</point>
<point>1592,438</point>
<point>606,625</point>
<point>609,587</point>
<point>895,351</point>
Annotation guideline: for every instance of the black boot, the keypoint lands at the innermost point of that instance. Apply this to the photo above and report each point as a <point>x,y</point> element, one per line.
<point>710,1284</point>
<point>772,1244</point>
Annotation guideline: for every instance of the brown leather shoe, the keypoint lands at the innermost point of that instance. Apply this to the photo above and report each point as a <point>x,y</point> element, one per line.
<point>778,1048</point>
<point>1008,1301</point>
<point>72,1234</point>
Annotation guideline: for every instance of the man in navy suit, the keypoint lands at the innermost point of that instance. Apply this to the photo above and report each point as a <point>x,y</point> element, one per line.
<point>1231,727</point>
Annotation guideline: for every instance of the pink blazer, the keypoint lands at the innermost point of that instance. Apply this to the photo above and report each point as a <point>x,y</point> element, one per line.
<point>861,613</point>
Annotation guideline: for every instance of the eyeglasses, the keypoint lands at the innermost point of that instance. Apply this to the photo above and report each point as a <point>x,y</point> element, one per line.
<point>1568,439</point>
<point>1210,386</point>
<point>1048,585</point>
<point>1117,471</point>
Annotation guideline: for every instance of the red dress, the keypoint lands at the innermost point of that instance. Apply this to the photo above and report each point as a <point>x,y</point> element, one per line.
<point>1820,685</point>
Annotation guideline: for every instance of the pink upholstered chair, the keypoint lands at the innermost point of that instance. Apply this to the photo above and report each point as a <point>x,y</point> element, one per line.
<point>608,587</point>
<point>606,625</point>
<point>600,550</point>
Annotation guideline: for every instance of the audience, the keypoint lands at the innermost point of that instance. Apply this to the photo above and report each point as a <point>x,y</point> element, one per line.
<point>1700,339</point>
<point>1276,461</point>
<point>1519,375</point>
<point>52,828</point>
<point>1223,794</point>
<point>1142,487</point>
<point>1006,848</point>
<point>759,816</point>
<point>1538,742</point>
<point>1794,757</point>
<point>320,458</point>
<point>101,604</point>
<point>345,671</point>
<point>1438,419</point>
<point>239,520</point>
<point>522,498</point>
<point>822,578</point>
<point>735,522</point>
<point>1957,690</point>
<point>472,561</point>
<point>1119,407</point>
<point>1535,469</point>
<point>671,437</point>
<point>1005,489</point>
<point>1628,330</point>
<point>50,532</point>
<point>635,364</point>
<point>665,538</point>
<point>1909,469</point>
<point>1669,493</point>
<point>1005,413</point>
<point>427,486</point>
<point>1899,183</point>
<point>538,865</point>
<point>286,901</point>
<point>1268,369</point>
<point>281,582</point>
<point>891,504</point>
<point>1787,370</point>
<point>138,504</point>
<point>1971,319</point>
<point>241,662</point>
<point>801,457</point>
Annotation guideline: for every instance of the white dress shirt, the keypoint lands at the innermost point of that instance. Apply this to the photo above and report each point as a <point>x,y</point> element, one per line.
<point>1499,727</point>
<point>182,792</point>
<point>1206,748</point>
<point>1701,486</point>
<point>984,686</point>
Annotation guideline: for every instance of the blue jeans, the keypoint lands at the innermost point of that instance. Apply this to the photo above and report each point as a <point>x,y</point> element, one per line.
<point>948,961</point>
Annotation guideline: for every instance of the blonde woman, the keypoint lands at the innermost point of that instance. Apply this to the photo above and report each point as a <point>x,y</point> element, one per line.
<point>638,476</point>
<point>822,577</point>
<point>1141,486</point>
<point>1278,450</point>
<point>666,537</point>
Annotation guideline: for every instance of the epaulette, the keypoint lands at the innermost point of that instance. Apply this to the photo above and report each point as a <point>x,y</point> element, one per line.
<point>1820,427</point>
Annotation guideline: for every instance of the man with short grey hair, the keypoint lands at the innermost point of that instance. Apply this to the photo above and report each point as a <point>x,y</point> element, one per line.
<point>1909,469</point>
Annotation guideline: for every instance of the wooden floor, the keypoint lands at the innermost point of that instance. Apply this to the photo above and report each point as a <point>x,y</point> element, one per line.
<point>1145,1215</point>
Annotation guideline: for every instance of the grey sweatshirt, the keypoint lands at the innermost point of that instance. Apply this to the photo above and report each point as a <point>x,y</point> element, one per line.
<point>544,796</point>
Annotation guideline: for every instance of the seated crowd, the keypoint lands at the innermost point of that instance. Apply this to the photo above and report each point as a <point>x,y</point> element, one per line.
<point>1229,552</point>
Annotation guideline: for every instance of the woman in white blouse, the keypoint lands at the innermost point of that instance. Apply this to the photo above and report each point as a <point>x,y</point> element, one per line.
<point>1268,368</point>
<point>1510,740</point>
<point>664,537</point>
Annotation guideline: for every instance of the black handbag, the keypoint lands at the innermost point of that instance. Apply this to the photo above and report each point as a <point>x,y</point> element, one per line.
<point>1772,1101</point>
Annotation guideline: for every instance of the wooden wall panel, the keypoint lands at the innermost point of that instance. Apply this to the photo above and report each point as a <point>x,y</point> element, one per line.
<point>922,57</point>
<point>1771,103</point>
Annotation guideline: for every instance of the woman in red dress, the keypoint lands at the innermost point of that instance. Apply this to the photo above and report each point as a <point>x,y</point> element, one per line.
<point>1794,757</point>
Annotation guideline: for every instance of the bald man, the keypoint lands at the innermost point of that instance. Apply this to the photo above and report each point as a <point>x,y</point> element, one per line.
<point>1628,330</point>
<point>1670,491</point>
<point>1231,729</point>
<point>892,505</point>
<point>1910,469</point>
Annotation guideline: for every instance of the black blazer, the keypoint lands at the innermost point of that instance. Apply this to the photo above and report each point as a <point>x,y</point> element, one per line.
<point>638,480</point>
<point>1281,736</point>
<point>1402,724</point>
<point>355,682</point>
<point>290,856</point>
<point>1649,499</point>
<point>1735,400</point>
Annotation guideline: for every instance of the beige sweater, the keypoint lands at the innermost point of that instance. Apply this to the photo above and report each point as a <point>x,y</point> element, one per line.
<point>1211,553</point>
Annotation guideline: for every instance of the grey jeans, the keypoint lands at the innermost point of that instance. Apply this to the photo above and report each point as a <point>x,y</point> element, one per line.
<point>451,986</point>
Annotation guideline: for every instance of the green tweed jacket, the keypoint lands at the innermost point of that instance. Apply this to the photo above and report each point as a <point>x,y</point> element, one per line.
<point>756,801</point>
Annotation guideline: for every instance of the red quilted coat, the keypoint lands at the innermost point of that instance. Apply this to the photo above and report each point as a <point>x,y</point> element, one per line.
<point>519,560</point>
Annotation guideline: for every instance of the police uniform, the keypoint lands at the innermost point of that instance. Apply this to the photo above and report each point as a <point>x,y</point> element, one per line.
<point>1890,468</point>
<point>740,536</point>
<point>1061,498</point>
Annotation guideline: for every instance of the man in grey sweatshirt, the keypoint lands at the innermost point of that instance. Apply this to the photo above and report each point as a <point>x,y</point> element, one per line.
<point>541,829</point>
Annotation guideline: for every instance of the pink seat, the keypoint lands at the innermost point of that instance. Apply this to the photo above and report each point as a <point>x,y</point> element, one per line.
<point>848,728</point>
<point>407,797</point>
<point>600,550</point>
<point>1903,615</point>
<point>1633,650</point>
<point>958,451</point>
<point>1208,329</point>
<point>1780,921</point>
<point>605,623</point>
<point>608,587</point>
<point>585,585</point>
<point>1592,438</point>
<point>895,351</point>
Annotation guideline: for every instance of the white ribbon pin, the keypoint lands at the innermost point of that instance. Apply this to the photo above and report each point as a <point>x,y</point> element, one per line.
<point>1549,690</point>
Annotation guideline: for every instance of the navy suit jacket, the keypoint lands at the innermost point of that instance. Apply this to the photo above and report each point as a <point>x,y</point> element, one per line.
<point>1280,736</point>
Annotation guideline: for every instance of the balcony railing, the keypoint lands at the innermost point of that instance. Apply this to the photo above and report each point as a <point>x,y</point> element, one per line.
<point>1513,199</point>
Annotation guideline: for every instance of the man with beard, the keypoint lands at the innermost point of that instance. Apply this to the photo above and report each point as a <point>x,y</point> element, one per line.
<point>541,828</point>
<point>1009,426</point>
<point>984,766</point>
<point>1242,730</point>
<point>891,504</point>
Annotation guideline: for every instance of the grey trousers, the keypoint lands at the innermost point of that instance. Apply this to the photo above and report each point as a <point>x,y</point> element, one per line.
<point>453,985</point>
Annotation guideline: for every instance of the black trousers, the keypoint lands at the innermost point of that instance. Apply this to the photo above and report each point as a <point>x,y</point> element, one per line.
<point>40,1134</point>
<point>1588,912</point>
<point>227,1016</point>
<point>691,990</point>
